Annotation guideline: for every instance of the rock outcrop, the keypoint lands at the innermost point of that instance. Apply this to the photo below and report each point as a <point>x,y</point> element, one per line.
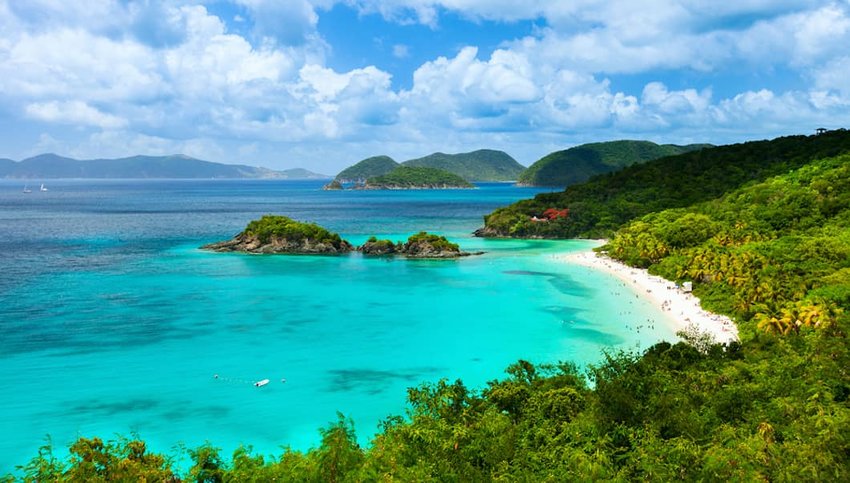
<point>274,234</point>
<point>376,247</point>
<point>279,234</point>
<point>252,244</point>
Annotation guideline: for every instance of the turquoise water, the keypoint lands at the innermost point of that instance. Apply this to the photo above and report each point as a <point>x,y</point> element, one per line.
<point>114,322</point>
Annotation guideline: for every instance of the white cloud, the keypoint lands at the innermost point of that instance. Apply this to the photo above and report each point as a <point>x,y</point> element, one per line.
<point>835,75</point>
<point>73,112</point>
<point>261,87</point>
<point>289,22</point>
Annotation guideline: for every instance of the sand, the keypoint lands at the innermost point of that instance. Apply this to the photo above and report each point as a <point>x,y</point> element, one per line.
<point>683,309</point>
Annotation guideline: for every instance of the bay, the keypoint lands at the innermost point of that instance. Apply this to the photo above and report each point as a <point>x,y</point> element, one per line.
<point>113,322</point>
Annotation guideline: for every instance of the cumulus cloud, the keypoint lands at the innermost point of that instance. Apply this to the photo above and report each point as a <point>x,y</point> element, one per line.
<point>290,22</point>
<point>73,112</point>
<point>158,77</point>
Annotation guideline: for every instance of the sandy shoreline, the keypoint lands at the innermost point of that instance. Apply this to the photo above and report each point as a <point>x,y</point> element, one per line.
<point>683,309</point>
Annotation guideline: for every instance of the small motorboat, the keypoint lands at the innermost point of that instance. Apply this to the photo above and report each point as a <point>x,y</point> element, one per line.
<point>261,383</point>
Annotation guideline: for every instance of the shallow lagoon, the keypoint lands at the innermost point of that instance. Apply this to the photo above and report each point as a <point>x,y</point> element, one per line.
<point>113,321</point>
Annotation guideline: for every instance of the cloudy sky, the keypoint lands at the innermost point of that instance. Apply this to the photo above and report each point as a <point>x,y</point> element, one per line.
<point>323,83</point>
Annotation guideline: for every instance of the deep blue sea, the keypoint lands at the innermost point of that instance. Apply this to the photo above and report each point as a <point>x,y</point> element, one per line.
<point>112,322</point>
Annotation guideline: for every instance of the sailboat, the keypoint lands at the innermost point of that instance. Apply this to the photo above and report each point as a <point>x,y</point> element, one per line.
<point>27,189</point>
<point>42,187</point>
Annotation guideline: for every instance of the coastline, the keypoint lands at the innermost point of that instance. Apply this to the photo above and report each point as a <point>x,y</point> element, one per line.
<point>683,309</point>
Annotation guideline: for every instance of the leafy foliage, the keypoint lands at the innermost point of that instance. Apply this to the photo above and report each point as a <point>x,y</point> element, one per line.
<point>768,410</point>
<point>481,165</point>
<point>580,163</point>
<point>416,177</point>
<point>606,202</point>
<point>438,242</point>
<point>773,254</point>
<point>270,226</point>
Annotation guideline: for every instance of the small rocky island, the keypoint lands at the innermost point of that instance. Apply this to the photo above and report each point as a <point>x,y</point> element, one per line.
<point>420,245</point>
<point>333,185</point>
<point>274,234</point>
<point>279,234</point>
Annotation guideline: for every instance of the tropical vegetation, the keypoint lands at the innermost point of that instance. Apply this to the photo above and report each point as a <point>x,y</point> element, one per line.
<point>604,203</point>
<point>437,242</point>
<point>404,177</point>
<point>480,165</point>
<point>277,226</point>
<point>367,168</point>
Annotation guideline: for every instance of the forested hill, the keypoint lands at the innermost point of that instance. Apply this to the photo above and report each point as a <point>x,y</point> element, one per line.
<point>580,163</point>
<point>367,168</point>
<point>604,203</point>
<point>47,166</point>
<point>480,165</point>
<point>416,177</point>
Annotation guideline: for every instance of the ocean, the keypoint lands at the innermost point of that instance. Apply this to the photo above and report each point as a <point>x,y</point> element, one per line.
<point>113,323</point>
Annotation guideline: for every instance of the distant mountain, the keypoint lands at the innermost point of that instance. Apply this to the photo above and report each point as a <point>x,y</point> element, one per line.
<point>481,165</point>
<point>580,163</point>
<point>47,166</point>
<point>367,168</point>
<point>6,165</point>
<point>301,173</point>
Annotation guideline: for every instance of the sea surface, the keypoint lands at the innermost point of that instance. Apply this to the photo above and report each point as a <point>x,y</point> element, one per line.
<point>113,322</point>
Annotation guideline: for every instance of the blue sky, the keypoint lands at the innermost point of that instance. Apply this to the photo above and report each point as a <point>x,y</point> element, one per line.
<point>321,84</point>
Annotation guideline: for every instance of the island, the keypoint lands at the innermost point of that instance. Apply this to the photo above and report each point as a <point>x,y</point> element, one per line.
<point>483,165</point>
<point>409,177</point>
<point>367,168</point>
<point>280,234</point>
<point>276,234</point>
<point>420,245</point>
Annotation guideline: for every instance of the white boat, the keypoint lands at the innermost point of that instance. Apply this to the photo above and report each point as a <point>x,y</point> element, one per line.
<point>42,187</point>
<point>261,383</point>
<point>27,189</point>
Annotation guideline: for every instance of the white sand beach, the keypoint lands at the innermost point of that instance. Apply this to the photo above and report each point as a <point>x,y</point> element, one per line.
<point>683,309</point>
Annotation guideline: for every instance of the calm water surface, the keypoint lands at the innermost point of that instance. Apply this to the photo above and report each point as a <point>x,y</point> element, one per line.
<point>112,322</point>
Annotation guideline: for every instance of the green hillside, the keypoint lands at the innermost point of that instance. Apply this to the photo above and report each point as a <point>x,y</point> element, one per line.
<point>481,165</point>
<point>580,163</point>
<point>409,177</point>
<point>603,204</point>
<point>367,168</point>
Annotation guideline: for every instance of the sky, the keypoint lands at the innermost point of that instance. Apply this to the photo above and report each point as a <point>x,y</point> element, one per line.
<point>321,84</point>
